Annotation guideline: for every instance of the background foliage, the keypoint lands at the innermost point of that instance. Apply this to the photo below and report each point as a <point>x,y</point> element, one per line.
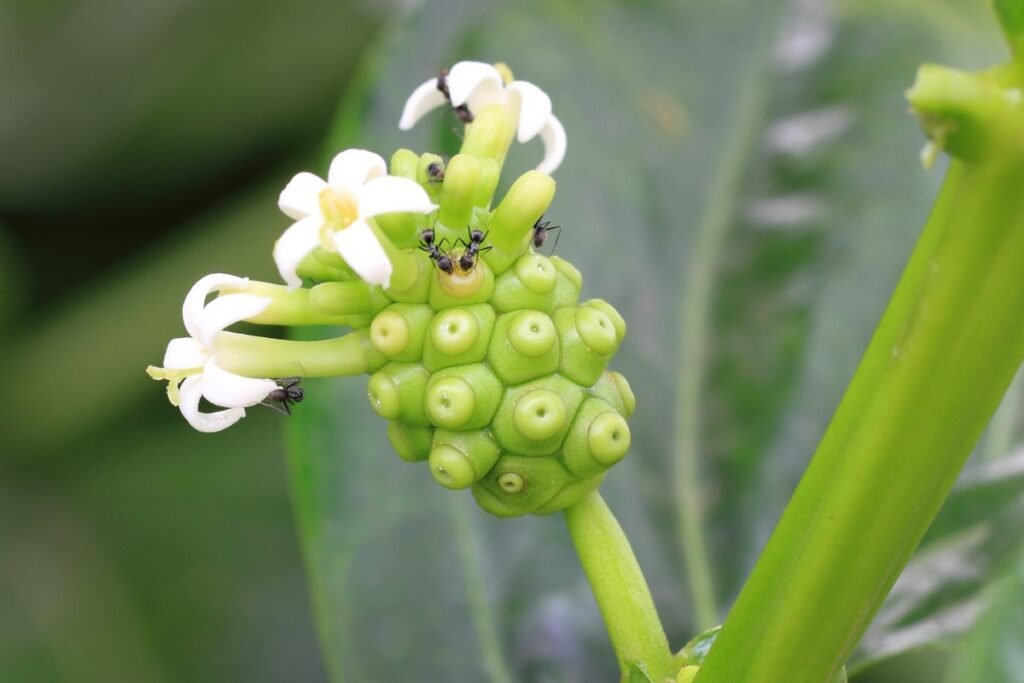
<point>742,182</point>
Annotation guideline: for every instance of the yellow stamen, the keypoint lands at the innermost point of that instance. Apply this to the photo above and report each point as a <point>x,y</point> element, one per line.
<point>340,209</point>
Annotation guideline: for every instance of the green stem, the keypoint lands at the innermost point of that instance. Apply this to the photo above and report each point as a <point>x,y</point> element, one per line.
<point>619,588</point>
<point>694,324</point>
<point>484,622</point>
<point>944,352</point>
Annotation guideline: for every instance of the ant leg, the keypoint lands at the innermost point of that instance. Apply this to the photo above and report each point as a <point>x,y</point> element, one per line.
<point>272,406</point>
<point>558,235</point>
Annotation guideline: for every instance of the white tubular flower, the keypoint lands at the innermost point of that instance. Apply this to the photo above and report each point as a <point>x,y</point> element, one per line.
<point>475,85</point>
<point>333,214</point>
<point>190,362</point>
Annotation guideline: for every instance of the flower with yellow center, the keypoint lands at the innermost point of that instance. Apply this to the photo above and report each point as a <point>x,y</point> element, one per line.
<point>334,214</point>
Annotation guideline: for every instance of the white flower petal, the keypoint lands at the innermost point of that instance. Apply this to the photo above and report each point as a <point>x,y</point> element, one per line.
<point>353,167</point>
<point>292,246</point>
<point>423,100</point>
<point>553,136</point>
<point>534,108</point>
<point>195,300</point>
<point>392,194</point>
<point>362,252</point>
<point>191,392</point>
<point>229,390</point>
<point>301,197</point>
<point>476,84</point>
<point>227,310</point>
<point>185,353</point>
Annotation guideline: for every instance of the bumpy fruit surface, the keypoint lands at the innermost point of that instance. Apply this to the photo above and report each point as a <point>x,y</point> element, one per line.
<point>497,375</point>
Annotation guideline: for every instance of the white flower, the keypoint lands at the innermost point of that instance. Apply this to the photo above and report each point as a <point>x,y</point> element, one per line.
<point>476,85</point>
<point>189,360</point>
<point>333,214</point>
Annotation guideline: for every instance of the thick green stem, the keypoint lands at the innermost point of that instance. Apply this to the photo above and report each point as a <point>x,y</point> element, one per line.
<point>943,354</point>
<point>619,588</point>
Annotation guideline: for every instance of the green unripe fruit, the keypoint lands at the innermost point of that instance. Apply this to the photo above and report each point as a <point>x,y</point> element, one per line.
<point>396,392</point>
<point>460,459</point>
<point>463,398</point>
<point>535,417</point>
<point>398,332</point>
<point>494,372</point>
<point>524,347</point>
<point>411,442</point>
<point>458,336</point>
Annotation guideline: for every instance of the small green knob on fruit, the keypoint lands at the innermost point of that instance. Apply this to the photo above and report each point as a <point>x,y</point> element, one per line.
<point>458,336</point>
<point>459,459</point>
<point>396,392</point>
<point>463,398</point>
<point>399,330</point>
<point>524,346</point>
<point>540,414</point>
<point>411,442</point>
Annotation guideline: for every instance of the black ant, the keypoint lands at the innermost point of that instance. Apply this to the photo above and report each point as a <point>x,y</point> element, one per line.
<point>436,251</point>
<point>468,258</point>
<point>288,392</point>
<point>462,111</point>
<point>435,172</point>
<point>540,233</point>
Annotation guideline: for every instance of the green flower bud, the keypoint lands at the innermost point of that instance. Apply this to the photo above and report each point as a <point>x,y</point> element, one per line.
<point>458,336</point>
<point>419,289</point>
<point>535,417</point>
<point>396,392</point>
<point>399,331</point>
<point>460,459</point>
<point>464,397</point>
<point>425,174</point>
<point>404,163</point>
<point>459,192</point>
<point>524,347</point>
<point>687,674</point>
<point>618,322</point>
<point>599,438</point>
<point>411,442</point>
<point>526,201</point>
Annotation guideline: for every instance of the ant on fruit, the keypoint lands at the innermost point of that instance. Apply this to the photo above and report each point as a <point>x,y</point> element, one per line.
<point>541,232</point>
<point>462,111</point>
<point>473,249</point>
<point>437,252</point>
<point>288,392</point>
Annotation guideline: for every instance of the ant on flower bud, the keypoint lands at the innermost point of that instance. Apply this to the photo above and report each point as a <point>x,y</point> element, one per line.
<point>540,233</point>
<point>462,111</point>
<point>288,392</point>
<point>435,172</point>
<point>437,252</point>
<point>468,259</point>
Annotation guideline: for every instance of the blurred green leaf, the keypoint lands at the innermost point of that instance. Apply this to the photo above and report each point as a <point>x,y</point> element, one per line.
<point>819,214</point>
<point>994,651</point>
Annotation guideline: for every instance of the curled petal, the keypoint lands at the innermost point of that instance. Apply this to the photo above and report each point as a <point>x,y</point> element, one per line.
<point>363,253</point>
<point>423,100</point>
<point>195,300</point>
<point>392,194</point>
<point>553,136</point>
<point>227,310</point>
<point>301,197</point>
<point>534,108</point>
<point>353,167</point>
<point>191,392</point>
<point>292,246</point>
<point>476,84</point>
<point>229,390</point>
<point>185,353</point>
